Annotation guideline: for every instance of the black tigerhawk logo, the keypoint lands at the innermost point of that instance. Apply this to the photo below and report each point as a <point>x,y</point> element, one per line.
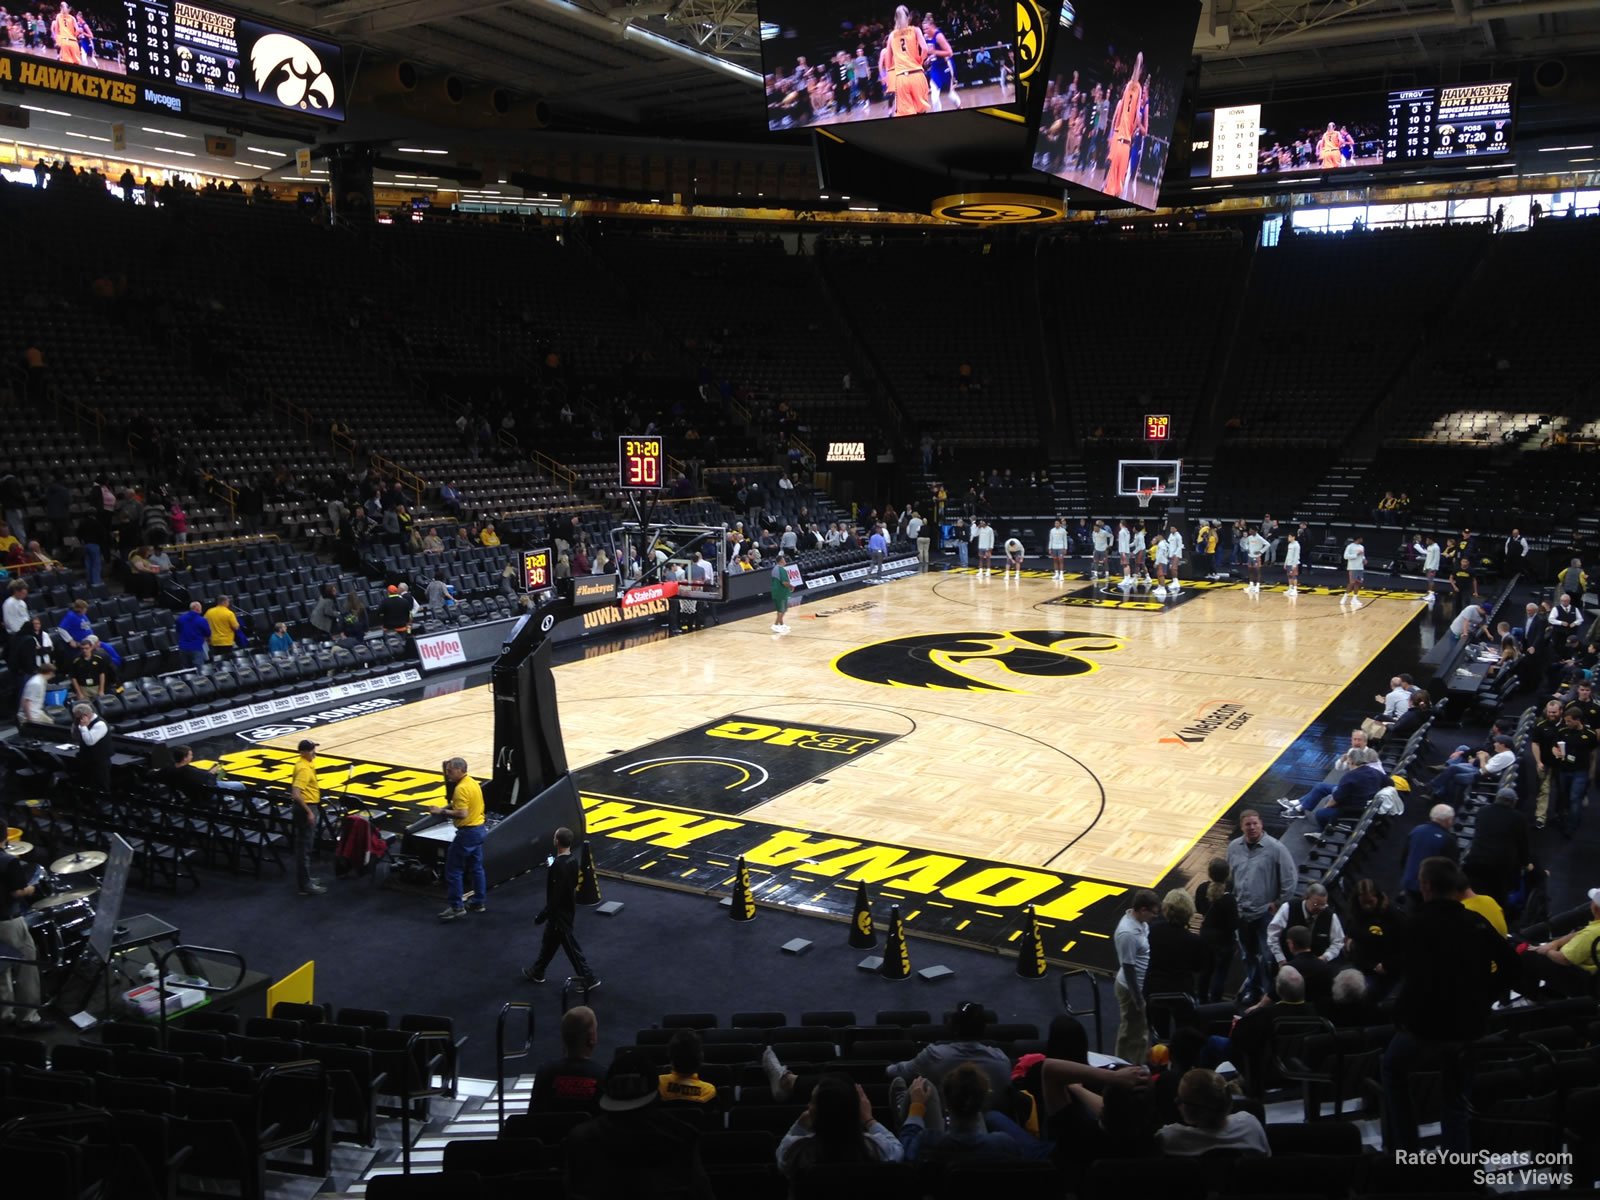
<point>935,661</point>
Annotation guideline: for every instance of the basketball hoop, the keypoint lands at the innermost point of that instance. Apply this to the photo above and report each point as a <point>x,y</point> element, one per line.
<point>1144,495</point>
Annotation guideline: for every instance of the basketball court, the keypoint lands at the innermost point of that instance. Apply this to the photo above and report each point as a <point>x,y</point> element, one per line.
<point>1053,730</point>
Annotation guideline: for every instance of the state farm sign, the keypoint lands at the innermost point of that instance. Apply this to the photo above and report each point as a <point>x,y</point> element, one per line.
<point>440,650</point>
<point>653,591</point>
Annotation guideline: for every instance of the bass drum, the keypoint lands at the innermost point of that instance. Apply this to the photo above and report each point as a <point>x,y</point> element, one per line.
<point>61,932</point>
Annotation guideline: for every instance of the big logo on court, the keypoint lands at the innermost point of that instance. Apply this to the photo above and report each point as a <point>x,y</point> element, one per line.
<point>942,662</point>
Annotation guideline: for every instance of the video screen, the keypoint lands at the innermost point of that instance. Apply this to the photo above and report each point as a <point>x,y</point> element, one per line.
<point>828,63</point>
<point>1114,79</point>
<point>85,33</point>
<point>1322,135</point>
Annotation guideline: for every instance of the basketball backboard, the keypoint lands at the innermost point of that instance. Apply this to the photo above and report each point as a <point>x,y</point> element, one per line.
<point>1160,475</point>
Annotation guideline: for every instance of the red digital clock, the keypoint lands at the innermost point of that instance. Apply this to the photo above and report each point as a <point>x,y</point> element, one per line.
<point>1157,427</point>
<point>640,461</point>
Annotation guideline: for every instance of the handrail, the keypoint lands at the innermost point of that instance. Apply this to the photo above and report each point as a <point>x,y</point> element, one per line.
<point>558,472</point>
<point>199,986</point>
<point>402,475</point>
<point>500,1055</point>
<point>1094,992</point>
<point>412,1042</point>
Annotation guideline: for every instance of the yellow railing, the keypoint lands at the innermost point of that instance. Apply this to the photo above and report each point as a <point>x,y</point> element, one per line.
<point>186,548</point>
<point>405,478</point>
<point>558,472</point>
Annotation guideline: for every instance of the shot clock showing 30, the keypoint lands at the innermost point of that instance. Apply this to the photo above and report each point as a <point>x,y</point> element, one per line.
<point>640,459</point>
<point>1157,427</point>
<point>537,574</point>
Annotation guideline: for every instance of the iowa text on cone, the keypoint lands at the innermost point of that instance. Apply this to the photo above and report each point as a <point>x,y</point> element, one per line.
<point>743,907</point>
<point>896,955</point>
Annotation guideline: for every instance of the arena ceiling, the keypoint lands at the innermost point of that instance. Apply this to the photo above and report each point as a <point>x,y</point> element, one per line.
<point>691,67</point>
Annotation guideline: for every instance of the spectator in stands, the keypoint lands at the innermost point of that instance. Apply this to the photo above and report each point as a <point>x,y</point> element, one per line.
<point>75,628</point>
<point>1264,878</point>
<point>144,574</point>
<point>14,501</point>
<point>15,608</point>
<point>1398,698</point>
<point>1313,913</point>
<point>1432,839</point>
<point>837,1127</point>
<point>964,1045</point>
<point>1178,957</point>
<point>1572,580</point>
<point>634,1147</point>
<point>1566,617</point>
<point>488,537</point>
<point>432,543</point>
<point>1415,716</point>
<point>194,782</point>
<point>682,1084</point>
<point>1350,796</point>
<point>89,534</point>
<point>1574,757</point>
<point>1384,513</point>
<point>30,703</point>
<point>226,635</point>
<point>325,612</point>
<point>30,647</point>
<point>127,519</point>
<point>1456,967</point>
<point>572,1082</point>
<point>968,1129</point>
<point>91,734</point>
<point>280,642</point>
<point>1284,1000</point>
<point>1514,552</point>
<point>394,613</point>
<point>1499,853</point>
<point>1132,942</point>
<point>1564,966</point>
<point>1464,768</point>
<point>87,672</point>
<point>1349,1004</point>
<point>1209,1122</point>
<point>1371,941</point>
<point>1219,910</point>
<point>178,516</point>
<point>1463,583</point>
<point>19,972</point>
<point>1468,621</point>
<point>1321,791</point>
<point>194,636</point>
<point>439,597</point>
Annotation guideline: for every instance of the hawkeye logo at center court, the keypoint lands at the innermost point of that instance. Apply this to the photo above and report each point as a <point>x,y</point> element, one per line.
<point>1223,716</point>
<point>943,661</point>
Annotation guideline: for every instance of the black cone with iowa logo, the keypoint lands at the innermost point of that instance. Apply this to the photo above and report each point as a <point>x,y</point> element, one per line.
<point>896,954</point>
<point>1030,955</point>
<point>862,935</point>
<point>588,882</point>
<point>743,907</point>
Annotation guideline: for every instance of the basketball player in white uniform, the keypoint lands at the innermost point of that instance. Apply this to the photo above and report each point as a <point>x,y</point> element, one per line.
<point>1059,540</point>
<point>1174,556</point>
<point>1430,553</point>
<point>1101,537</point>
<point>1163,557</point>
<point>1291,565</point>
<point>1124,544</point>
<point>1255,547</point>
<point>1014,557</point>
<point>1140,545</point>
<point>1355,562</point>
<point>985,547</point>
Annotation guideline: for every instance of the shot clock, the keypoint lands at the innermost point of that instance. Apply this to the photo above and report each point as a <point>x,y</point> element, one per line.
<point>1157,427</point>
<point>640,461</point>
<point>538,573</point>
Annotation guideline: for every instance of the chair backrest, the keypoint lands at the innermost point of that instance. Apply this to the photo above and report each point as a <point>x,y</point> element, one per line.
<point>446,1185</point>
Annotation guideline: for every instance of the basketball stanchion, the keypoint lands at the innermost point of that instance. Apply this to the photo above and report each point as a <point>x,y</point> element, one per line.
<point>588,881</point>
<point>1030,955</point>
<point>743,906</point>
<point>896,954</point>
<point>862,935</point>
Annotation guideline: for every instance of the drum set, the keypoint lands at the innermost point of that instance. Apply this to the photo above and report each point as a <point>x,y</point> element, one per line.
<point>62,913</point>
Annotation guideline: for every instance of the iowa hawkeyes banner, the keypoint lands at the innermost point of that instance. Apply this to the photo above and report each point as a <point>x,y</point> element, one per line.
<point>729,766</point>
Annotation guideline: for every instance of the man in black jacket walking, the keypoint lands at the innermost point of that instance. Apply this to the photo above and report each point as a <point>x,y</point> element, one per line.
<point>560,910</point>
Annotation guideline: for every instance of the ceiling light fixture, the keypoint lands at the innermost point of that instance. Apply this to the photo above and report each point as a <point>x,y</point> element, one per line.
<point>162,132</point>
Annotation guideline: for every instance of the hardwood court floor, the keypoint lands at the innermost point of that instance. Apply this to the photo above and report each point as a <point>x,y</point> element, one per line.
<point>1111,773</point>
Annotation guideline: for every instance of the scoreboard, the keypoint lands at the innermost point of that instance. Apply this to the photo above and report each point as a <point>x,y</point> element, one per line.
<point>640,461</point>
<point>1445,123</point>
<point>538,571</point>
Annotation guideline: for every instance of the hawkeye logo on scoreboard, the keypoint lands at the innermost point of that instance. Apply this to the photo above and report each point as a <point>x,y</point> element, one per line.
<point>1030,38</point>
<point>291,72</point>
<point>997,208</point>
<point>942,662</point>
<point>1223,717</point>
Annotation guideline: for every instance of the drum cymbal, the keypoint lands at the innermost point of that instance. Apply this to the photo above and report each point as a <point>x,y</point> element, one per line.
<point>84,860</point>
<point>19,848</point>
<point>61,898</point>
